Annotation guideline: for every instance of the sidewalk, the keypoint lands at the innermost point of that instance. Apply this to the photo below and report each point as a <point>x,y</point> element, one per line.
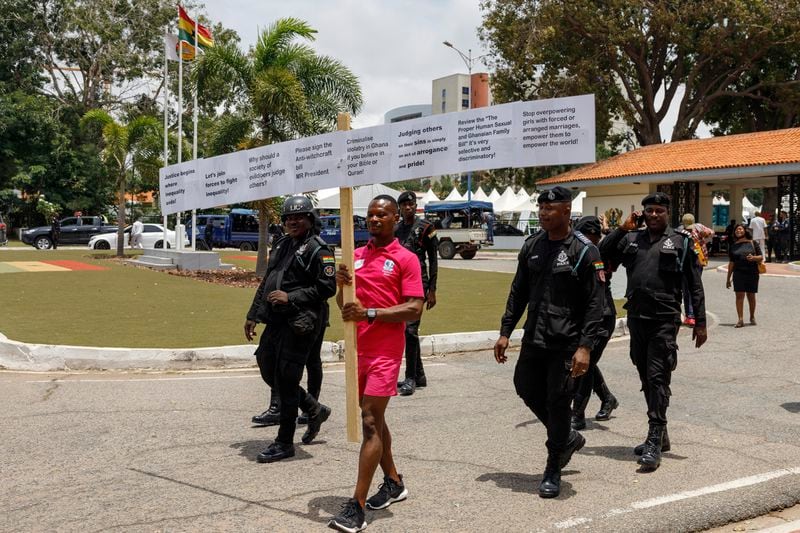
<point>791,270</point>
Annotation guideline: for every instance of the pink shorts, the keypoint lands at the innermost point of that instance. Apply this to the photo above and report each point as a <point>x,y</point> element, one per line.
<point>377,375</point>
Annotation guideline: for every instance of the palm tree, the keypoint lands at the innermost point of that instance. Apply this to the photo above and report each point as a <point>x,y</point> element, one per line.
<point>284,89</point>
<point>127,149</point>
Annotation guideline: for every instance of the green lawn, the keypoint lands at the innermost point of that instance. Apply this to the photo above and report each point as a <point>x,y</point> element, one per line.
<point>132,307</point>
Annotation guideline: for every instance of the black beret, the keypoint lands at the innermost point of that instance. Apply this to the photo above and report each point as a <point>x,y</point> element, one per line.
<point>556,194</point>
<point>588,225</point>
<point>407,196</point>
<point>657,198</point>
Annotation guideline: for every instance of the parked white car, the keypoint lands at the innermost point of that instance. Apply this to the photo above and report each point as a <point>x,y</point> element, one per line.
<point>152,237</point>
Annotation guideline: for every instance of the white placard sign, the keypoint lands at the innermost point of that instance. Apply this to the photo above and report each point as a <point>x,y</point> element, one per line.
<point>558,131</point>
<point>177,185</point>
<point>521,134</point>
<point>369,156</point>
<point>270,171</point>
<point>424,147</point>
<point>486,138</point>
<point>222,179</point>
<point>318,162</point>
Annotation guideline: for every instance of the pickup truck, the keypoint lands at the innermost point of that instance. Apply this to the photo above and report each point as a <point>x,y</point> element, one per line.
<point>332,231</point>
<point>458,226</point>
<point>74,230</point>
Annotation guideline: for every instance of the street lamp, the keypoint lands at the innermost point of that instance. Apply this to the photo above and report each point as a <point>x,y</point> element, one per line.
<point>468,61</point>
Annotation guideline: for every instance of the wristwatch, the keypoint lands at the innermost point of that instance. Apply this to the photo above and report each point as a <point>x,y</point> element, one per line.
<point>372,314</point>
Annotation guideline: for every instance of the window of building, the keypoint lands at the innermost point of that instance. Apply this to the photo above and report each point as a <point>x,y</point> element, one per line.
<point>465,103</point>
<point>443,106</point>
<point>464,90</point>
<point>444,93</point>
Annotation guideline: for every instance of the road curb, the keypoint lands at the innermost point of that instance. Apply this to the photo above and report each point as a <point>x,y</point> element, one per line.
<point>22,356</point>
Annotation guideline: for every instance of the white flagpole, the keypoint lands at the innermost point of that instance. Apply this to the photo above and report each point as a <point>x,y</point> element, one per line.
<point>178,236</point>
<point>166,123</point>
<point>194,107</point>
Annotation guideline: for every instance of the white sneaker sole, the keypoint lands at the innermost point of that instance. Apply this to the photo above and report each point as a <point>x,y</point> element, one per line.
<point>402,496</point>
<point>333,524</point>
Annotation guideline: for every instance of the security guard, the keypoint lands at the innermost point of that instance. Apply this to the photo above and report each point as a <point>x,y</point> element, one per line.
<point>300,278</point>
<point>419,236</point>
<point>559,280</point>
<point>657,260</point>
<point>591,227</point>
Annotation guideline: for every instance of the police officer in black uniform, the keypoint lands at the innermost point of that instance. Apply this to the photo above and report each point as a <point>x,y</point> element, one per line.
<point>591,227</point>
<point>289,301</point>
<point>657,260</point>
<point>557,280</point>
<point>419,236</point>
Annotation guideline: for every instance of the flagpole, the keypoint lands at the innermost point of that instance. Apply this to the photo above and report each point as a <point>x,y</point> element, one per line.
<point>194,107</point>
<point>166,124</point>
<point>178,236</point>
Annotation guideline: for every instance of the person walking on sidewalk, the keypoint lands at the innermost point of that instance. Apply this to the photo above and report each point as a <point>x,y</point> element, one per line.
<point>560,280</point>
<point>300,276</point>
<point>656,259</point>
<point>388,294</point>
<point>418,236</point>
<point>592,227</point>
<point>744,257</point>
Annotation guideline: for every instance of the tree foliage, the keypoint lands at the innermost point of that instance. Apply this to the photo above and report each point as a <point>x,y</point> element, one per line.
<point>640,57</point>
<point>282,89</point>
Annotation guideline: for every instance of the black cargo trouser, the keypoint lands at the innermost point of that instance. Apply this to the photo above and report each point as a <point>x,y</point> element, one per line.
<point>281,357</point>
<point>593,379</point>
<point>542,379</point>
<point>654,351</point>
<point>414,368</point>
<point>314,366</point>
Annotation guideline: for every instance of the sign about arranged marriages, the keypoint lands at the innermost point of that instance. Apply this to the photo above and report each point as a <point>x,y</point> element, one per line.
<point>558,131</point>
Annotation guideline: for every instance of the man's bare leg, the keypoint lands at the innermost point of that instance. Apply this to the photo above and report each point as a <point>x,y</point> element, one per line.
<point>373,424</point>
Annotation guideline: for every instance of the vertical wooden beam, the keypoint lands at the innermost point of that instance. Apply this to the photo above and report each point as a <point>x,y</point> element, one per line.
<point>349,293</point>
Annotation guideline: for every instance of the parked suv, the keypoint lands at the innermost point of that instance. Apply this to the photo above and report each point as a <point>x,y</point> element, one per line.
<point>3,231</point>
<point>74,230</point>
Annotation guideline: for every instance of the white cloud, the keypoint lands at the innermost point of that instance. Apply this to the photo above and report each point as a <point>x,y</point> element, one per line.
<point>394,47</point>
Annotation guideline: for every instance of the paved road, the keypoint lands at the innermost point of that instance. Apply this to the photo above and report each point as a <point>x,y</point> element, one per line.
<point>144,452</point>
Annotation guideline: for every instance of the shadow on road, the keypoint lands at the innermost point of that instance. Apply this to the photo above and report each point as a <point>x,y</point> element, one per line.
<point>792,407</point>
<point>621,453</point>
<point>526,483</point>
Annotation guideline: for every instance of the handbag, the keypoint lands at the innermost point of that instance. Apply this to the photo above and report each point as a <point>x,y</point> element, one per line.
<point>762,268</point>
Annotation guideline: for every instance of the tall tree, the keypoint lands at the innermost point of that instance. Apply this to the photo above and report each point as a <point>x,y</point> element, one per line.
<point>641,56</point>
<point>127,149</point>
<point>289,91</point>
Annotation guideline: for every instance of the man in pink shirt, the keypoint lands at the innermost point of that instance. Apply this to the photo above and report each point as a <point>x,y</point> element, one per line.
<point>388,294</point>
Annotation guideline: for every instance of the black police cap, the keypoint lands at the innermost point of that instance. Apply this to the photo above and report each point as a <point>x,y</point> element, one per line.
<point>407,196</point>
<point>556,194</point>
<point>657,198</point>
<point>588,225</point>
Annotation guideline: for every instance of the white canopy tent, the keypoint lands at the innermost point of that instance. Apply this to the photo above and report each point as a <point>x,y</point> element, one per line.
<point>454,196</point>
<point>522,194</point>
<point>577,203</point>
<point>494,195</point>
<point>506,202</point>
<point>748,209</point>
<point>480,196</point>
<point>429,196</point>
<point>362,196</point>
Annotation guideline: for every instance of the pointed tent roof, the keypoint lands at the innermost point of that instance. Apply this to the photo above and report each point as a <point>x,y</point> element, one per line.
<point>454,196</point>
<point>480,195</point>
<point>522,194</point>
<point>429,196</point>
<point>507,201</point>
<point>362,196</point>
<point>494,195</point>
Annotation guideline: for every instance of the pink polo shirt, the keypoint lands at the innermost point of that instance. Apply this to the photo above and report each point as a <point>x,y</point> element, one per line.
<point>385,277</point>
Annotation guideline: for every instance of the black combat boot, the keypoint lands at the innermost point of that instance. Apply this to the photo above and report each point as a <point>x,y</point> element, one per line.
<point>664,444</point>
<point>550,487</point>
<point>609,403</point>
<point>315,421</point>
<point>270,417</point>
<point>651,456</point>
<point>575,443</point>
<point>578,412</point>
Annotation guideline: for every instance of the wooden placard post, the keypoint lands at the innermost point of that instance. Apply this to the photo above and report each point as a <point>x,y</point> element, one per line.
<point>349,294</point>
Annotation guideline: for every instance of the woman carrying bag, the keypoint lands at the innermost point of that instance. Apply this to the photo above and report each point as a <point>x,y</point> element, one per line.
<point>745,266</point>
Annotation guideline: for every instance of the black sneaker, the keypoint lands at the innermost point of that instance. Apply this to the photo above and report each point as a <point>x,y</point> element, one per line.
<point>350,519</point>
<point>388,493</point>
<point>407,388</point>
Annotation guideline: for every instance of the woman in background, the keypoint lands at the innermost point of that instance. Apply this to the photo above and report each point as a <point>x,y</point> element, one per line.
<point>744,256</point>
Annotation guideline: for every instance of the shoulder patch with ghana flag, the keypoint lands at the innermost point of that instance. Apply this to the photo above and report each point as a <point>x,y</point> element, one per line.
<point>327,258</point>
<point>600,269</point>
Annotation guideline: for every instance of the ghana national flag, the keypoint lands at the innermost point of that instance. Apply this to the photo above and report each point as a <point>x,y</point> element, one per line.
<point>186,30</point>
